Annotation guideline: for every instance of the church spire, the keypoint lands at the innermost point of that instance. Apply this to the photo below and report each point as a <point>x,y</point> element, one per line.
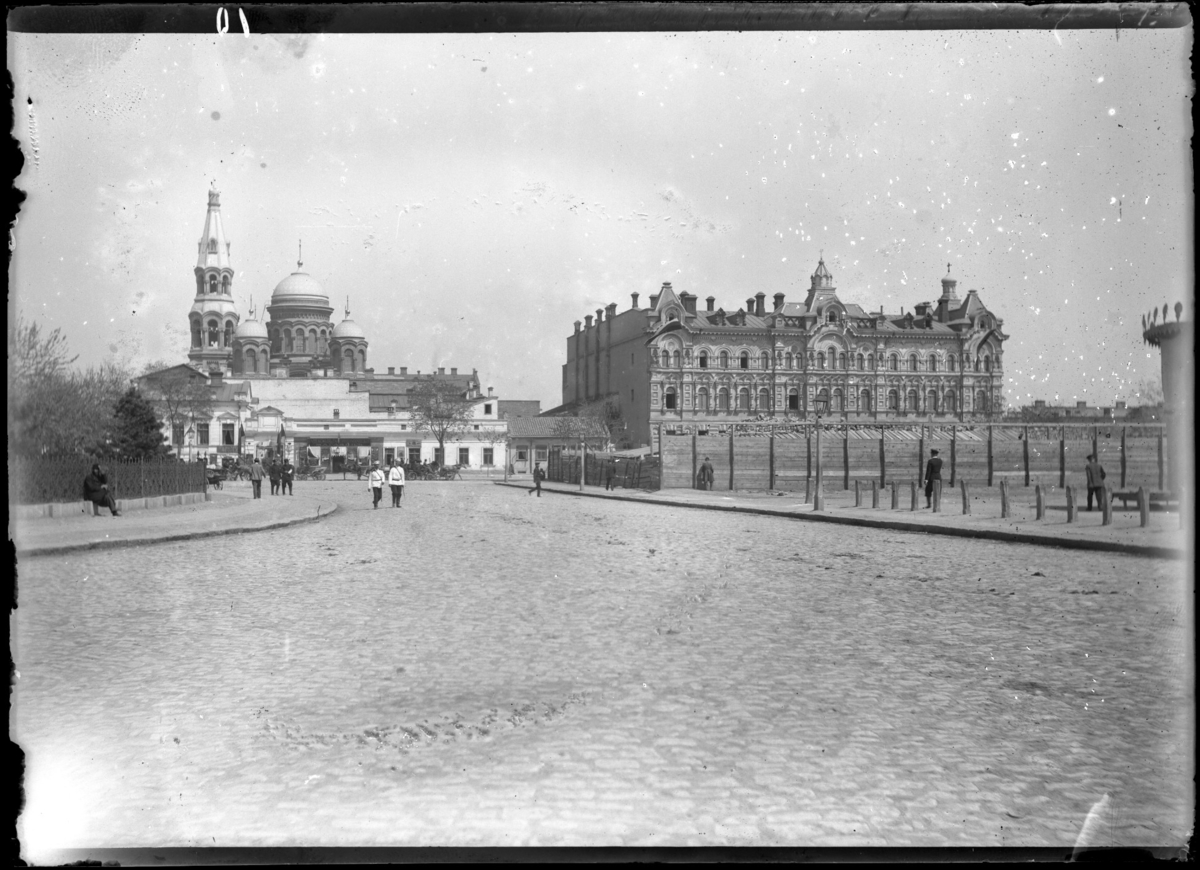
<point>300,255</point>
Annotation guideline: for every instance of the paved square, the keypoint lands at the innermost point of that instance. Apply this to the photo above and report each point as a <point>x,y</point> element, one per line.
<point>487,668</point>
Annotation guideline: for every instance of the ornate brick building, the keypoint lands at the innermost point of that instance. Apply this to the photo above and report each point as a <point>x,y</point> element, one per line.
<point>673,362</point>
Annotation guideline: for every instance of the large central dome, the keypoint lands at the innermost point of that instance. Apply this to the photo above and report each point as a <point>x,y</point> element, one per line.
<point>299,284</point>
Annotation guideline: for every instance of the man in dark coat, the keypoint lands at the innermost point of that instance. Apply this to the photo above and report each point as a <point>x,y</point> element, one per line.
<point>538,477</point>
<point>95,490</point>
<point>256,476</point>
<point>933,478</point>
<point>287,475</point>
<point>274,473</point>
<point>706,474</point>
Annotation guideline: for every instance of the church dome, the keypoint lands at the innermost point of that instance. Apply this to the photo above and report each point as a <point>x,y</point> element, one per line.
<point>251,329</point>
<point>298,284</point>
<point>348,329</point>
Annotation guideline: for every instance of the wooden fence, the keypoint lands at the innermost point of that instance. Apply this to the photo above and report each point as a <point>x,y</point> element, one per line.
<point>770,456</point>
<point>60,479</point>
<point>562,466</point>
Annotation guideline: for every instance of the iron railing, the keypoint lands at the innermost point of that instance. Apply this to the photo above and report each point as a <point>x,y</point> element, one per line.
<point>60,479</point>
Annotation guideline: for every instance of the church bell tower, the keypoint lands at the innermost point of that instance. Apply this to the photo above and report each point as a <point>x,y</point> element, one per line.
<point>213,319</point>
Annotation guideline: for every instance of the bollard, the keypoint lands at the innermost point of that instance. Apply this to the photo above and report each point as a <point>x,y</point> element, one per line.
<point>857,495</point>
<point>1004,498</point>
<point>895,497</point>
<point>1041,501</point>
<point>1144,506</point>
<point>937,496</point>
<point>807,492</point>
<point>912,484</point>
<point>818,497</point>
<point>875,494</point>
<point>966,496</point>
<point>1105,506</point>
<point>1070,504</point>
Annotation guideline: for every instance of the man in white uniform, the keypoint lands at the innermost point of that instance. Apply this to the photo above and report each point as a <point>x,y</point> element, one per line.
<point>375,483</point>
<point>396,482</point>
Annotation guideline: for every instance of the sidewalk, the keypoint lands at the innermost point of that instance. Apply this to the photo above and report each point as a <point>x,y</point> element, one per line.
<point>231,511</point>
<point>1163,538</point>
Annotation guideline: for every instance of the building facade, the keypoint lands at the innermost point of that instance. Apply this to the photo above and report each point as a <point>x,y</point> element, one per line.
<point>295,382</point>
<point>674,363</point>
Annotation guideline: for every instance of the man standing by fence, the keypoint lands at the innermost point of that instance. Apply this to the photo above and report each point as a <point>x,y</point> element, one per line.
<point>256,476</point>
<point>95,490</point>
<point>933,478</point>
<point>1095,481</point>
<point>706,474</point>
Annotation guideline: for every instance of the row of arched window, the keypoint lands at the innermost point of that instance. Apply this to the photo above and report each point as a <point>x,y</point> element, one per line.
<point>720,398</point>
<point>212,334</point>
<point>833,361</point>
<point>254,361</point>
<point>300,340</point>
<point>213,287</point>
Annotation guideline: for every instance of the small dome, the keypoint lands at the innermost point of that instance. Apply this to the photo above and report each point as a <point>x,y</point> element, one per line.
<point>298,284</point>
<point>251,329</point>
<point>348,329</point>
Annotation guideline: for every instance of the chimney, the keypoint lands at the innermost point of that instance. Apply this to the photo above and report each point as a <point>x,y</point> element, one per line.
<point>654,301</point>
<point>576,327</point>
<point>403,370</point>
<point>759,300</point>
<point>489,391</point>
<point>599,316</point>
<point>611,310</point>
<point>779,301</point>
<point>710,301</point>
<point>750,305</point>
<point>441,371</point>
<point>587,321</point>
<point>689,302</point>
<point>391,370</point>
<point>635,296</point>
<point>454,371</point>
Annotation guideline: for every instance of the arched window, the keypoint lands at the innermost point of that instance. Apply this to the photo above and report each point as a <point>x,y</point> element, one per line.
<point>312,341</point>
<point>764,361</point>
<point>675,359</point>
<point>249,361</point>
<point>893,400</point>
<point>703,359</point>
<point>743,399</point>
<point>724,359</point>
<point>894,363</point>
<point>362,360</point>
<point>195,333</point>
<point>212,284</point>
<point>912,362</point>
<point>836,404</point>
<point>323,343</point>
<point>823,398</point>
<point>702,399</point>
<point>225,284</point>
<point>793,399</point>
<point>788,359</point>
<point>860,362</point>
<point>744,360</point>
<point>912,407</point>
<point>931,402</point>
<point>228,334</point>
<point>948,402</point>
<point>214,333</point>
<point>287,341</point>
<point>665,359</point>
<point>932,363</point>
<point>301,341</point>
<point>976,363</point>
<point>842,361</point>
<point>212,246</point>
<point>864,402</point>
<point>200,284</point>
<point>950,362</point>
<point>669,399</point>
<point>723,399</point>
<point>348,361</point>
<point>987,364</point>
<point>832,317</point>
<point>764,399</point>
<point>981,401</point>
<point>870,362</point>
<point>821,360</point>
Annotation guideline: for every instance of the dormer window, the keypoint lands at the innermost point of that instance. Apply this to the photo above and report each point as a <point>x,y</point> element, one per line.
<point>833,317</point>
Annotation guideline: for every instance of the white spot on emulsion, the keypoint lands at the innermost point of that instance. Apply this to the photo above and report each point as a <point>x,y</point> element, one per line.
<point>1112,112</point>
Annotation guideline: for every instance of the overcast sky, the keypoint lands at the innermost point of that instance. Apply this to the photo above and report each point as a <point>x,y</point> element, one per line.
<point>474,195</point>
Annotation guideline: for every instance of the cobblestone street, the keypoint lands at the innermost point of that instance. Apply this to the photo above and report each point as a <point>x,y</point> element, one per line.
<point>486,668</point>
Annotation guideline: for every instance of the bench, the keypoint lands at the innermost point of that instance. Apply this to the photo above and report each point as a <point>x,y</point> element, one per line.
<point>1162,501</point>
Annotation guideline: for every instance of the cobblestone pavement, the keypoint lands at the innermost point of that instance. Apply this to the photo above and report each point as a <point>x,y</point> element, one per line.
<point>486,668</point>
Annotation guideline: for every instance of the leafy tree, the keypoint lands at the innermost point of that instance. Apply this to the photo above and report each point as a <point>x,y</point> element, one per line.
<point>180,394</point>
<point>441,408</point>
<point>138,433</point>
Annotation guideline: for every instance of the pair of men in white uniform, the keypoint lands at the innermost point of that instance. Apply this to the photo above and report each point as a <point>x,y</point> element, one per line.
<point>394,477</point>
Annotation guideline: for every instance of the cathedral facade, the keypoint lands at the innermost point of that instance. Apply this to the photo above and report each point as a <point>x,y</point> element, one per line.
<point>673,362</point>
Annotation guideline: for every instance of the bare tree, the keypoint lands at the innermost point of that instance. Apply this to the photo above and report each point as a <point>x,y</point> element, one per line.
<point>180,394</point>
<point>441,408</point>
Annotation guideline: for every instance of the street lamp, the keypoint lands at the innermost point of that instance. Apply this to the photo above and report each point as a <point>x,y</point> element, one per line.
<point>821,406</point>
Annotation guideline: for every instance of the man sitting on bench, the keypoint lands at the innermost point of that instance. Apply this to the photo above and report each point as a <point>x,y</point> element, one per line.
<point>95,490</point>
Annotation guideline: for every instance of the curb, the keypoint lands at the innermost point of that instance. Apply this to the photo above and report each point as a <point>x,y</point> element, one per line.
<point>902,526</point>
<point>163,539</point>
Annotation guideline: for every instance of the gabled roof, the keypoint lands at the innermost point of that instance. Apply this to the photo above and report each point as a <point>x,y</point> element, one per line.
<point>550,427</point>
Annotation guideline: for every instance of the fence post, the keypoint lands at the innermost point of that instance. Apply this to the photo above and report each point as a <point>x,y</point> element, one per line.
<point>1004,498</point>
<point>583,458</point>
<point>771,462</point>
<point>875,493</point>
<point>953,451</point>
<point>1122,457</point>
<point>966,497</point>
<point>882,465</point>
<point>1096,442</point>
<point>912,486</point>
<point>989,456</point>
<point>895,497</point>
<point>1025,453</point>
<point>1070,504</point>
<point>846,457</point>
<point>731,458</point>
<point>694,466</point>
<point>857,495</point>
<point>1160,459</point>
<point>1105,505</point>
<point>807,490</point>
<point>1143,506</point>
<point>1040,501</point>
<point>1062,457</point>
<point>937,495</point>
<point>920,451</point>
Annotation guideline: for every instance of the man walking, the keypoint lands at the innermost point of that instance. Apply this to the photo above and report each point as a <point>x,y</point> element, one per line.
<point>933,479</point>
<point>286,475</point>
<point>274,474</point>
<point>256,476</point>
<point>1095,481</point>
<point>95,490</point>
<point>396,482</point>
<point>706,474</point>
<point>375,484</point>
<point>538,477</point>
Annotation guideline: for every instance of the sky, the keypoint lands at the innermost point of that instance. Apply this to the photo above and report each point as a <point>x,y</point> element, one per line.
<point>473,195</point>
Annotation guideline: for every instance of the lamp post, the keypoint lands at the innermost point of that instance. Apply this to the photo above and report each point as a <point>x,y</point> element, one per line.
<point>821,405</point>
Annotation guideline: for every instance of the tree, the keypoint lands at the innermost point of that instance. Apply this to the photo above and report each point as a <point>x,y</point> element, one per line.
<point>138,433</point>
<point>441,408</point>
<point>1150,392</point>
<point>180,394</point>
